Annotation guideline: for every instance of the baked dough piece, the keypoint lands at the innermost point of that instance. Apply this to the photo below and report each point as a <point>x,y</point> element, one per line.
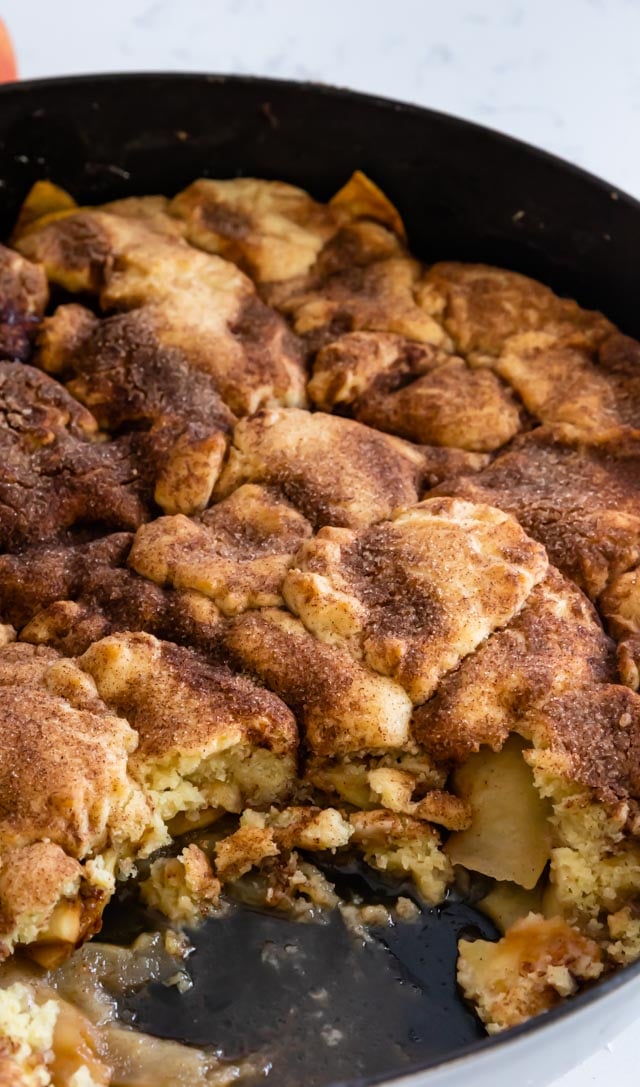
<point>591,737</point>
<point>237,553</point>
<point>273,230</point>
<point>586,761</point>
<point>194,302</point>
<point>527,972</point>
<point>70,811</point>
<point>343,707</point>
<point>414,596</point>
<point>55,471</point>
<point>592,395</point>
<point>207,738</point>
<point>376,295</point>
<point>122,372</point>
<point>26,1037</point>
<point>333,470</point>
<point>620,603</point>
<point>554,644</point>
<point>482,307</point>
<point>415,391</point>
<point>405,847</point>
<point>581,502</point>
<point>70,596</point>
<point>23,296</point>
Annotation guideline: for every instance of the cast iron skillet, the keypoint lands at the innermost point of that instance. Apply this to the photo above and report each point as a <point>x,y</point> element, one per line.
<point>465,193</point>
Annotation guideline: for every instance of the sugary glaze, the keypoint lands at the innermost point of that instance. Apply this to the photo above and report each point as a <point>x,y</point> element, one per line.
<point>300,531</point>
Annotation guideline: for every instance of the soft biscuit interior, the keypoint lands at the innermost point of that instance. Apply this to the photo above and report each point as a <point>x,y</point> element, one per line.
<point>309,551</point>
<point>207,738</point>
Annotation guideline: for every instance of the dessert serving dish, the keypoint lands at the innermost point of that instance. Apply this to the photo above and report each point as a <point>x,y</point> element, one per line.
<point>319,592</point>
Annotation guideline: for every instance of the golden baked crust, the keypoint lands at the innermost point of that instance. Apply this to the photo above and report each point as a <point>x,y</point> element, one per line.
<point>415,391</point>
<point>121,370</point>
<point>55,471</point>
<point>273,230</point>
<point>414,596</point>
<point>189,301</point>
<point>554,644</point>
<point>190,716</point>
<point>24,293</point>
<point>70,596</point>
<point>328,629</point>
<point>333,470</point>
<point>482,307</point>
<point>236,554</point>
<point>592,395</point>
<point>343,706</point>
<point>581,502</point>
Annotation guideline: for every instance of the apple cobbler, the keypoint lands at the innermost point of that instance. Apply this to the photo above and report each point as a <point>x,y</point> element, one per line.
<point>309,550</point>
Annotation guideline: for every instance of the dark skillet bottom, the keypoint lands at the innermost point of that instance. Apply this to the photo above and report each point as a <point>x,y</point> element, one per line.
<point>321,1004</point>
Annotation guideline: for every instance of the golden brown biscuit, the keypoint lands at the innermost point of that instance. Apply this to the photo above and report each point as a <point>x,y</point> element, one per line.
<point>592,395</point>
<point>414,596</point>
<point>72,787</point>
<point>207,738</point>
<point>129,380</point>
<point>55,471</point>
<point>619,606</point>
<point>271,229</point>
<point>590,737</point>
<point>581,502</point>
<point>527,972</point>
<point>237,553</point>
<point>335,471</point>
<point>70,812</point>
<point>554,644</point>
<point>343,707</point>
<point>275,231</point>
<point>25,665</point>
<point>415,391</point>
<point>481,307</point>
<point>23,296</point>
<point>379,295</point>
<point>70,596</point>
<point>194,302</point>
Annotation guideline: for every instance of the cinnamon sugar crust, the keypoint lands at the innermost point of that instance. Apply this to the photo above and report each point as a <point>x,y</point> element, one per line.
<point>334,471</point>
<point>56,472</point>
<point>554,644</point>
<point>482,307</point>
<point>581,501</point>
<point>24,293</point>
<point>237,553</point>
<point>120,369</point>
<point>414,596</point>
<point>415,391</point>
<point>191,300</point>
<point>70,596</point>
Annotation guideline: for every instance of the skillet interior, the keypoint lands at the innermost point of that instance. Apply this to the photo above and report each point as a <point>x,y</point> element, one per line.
<point>465,193</point>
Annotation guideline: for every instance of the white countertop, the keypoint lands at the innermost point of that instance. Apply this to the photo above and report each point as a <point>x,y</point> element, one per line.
<point>563,74</point>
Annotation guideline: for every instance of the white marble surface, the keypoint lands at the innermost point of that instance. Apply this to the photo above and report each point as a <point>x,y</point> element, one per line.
<point>563,74</point>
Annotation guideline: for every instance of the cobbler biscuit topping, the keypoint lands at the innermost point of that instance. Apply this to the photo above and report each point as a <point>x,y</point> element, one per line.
<point>317,551</point>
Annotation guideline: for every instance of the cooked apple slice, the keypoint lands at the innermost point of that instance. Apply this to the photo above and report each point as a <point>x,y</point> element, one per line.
<point>509,833</point>
<point>506,903</point>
